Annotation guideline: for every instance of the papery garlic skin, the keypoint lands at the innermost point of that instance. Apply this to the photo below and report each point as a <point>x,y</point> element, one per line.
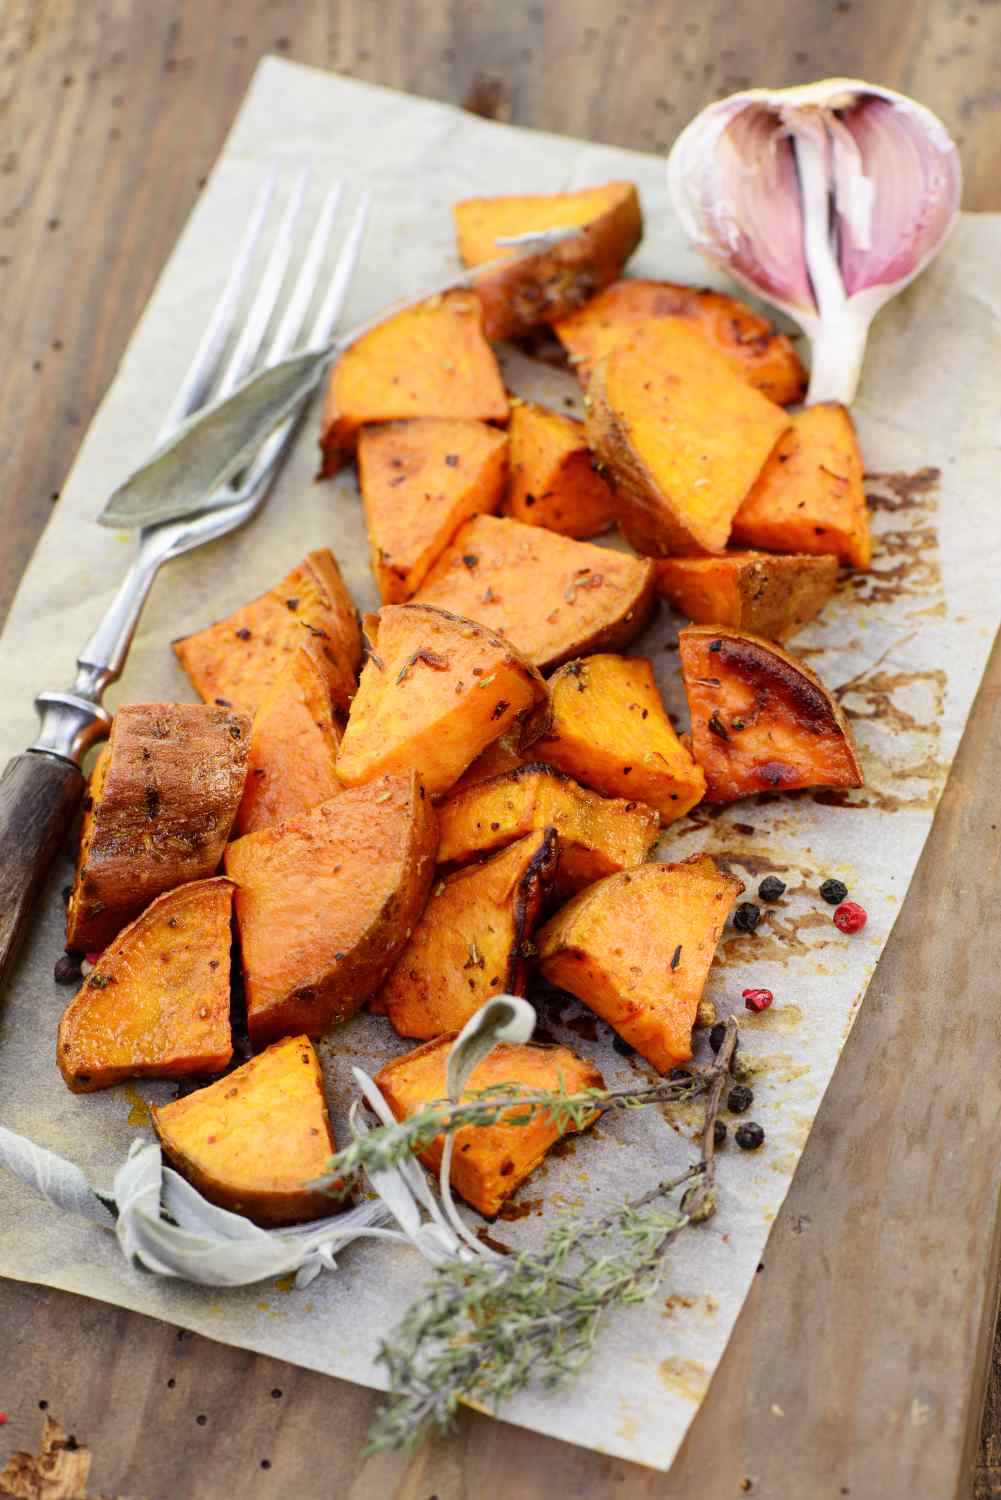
<point>825,200</point>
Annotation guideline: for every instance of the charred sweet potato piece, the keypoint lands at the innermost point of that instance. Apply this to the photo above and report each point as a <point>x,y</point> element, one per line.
<point>606,726</point>
<point>435,691</point>
<point>552,597</point>
<point>681,435</point>
<point>157,1002</point>
<point>757,591</point>
<point>419,481</point>
<point>326,901</point>
<point>292,764</point>
<point>490,1161</point>
<point>761,720</point>
<point>810,495</point>
<point>747,341</point>
<point>161,805</point>
<point>534,289</point>
<point>554,481</point>
<point>431,360</point>
<point>636,948</point>
<point>501,755</point>
<point>470,942</point>
<point>254,1141</point>
<point>237,661</point>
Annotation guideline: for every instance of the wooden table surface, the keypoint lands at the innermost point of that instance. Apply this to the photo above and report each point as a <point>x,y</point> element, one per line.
<point>859,1364</point>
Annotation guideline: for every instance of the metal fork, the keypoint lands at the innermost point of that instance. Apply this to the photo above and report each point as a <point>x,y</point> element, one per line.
<point>41,790</point>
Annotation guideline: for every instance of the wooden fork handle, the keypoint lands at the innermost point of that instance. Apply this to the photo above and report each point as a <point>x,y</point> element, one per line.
<point>39,797</point>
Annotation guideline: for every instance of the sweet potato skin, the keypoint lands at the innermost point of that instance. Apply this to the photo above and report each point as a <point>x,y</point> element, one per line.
<point>554,481</point>
<point>756,591</point>
<point>326,901</point>
<point>162,806</point>
<point>552,597</point>
<point>294,740</point>
<point>490,1162</point>
<point>534,289</point>
<point>761,720</point>
<point>157,1002</point>
<point>252,1141</point>
<point>636,948</point>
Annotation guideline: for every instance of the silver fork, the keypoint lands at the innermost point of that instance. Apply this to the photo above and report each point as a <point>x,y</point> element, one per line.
<point>41,789</point>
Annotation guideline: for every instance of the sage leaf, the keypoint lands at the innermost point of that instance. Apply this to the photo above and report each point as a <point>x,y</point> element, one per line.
<point>506,1018</point>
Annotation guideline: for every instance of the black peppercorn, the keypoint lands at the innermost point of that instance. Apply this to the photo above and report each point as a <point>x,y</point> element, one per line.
<point>749,1136</point>
<point>834,891</point>
<point>739,1099</point>
<point>717,1035</point>
<point>67,969</point>
<point>747,916</point>
<point>771,888</point>
<point>719,1133</point>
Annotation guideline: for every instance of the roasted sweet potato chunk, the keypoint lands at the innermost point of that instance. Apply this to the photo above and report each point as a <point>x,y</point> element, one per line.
<point>810,495</point>
<point>161,805</point>
<point>534,289</point>
<point>746,340</point>
<point>326,901</point>
<point>254,1141</point>
<point>237,661</point>
<point>435,691</point>
<point>502,755</point>
<point>757,591</point>
<point>761,720</point>
<point>606,726</point>
<point>419,481</point>
<point>470,943</point>
<point>293,748</point>
<point>554,481</point>
<point>636,948</point>
<point>490,1162</point>
<point>431,360</point>
<point>157,1002</point>
<point>552,597</point>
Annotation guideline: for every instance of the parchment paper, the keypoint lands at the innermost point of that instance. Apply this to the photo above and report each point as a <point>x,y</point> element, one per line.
<point>905,645</point>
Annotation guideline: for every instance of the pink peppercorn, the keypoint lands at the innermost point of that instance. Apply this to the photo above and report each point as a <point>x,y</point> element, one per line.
<point>850,917</point>
<point>757,1000</point>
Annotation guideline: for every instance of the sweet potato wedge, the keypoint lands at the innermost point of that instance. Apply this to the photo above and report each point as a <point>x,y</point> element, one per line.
<point>254,1140</point>
<point>534,289</point>
<point>502,755</point>
<point>419,481</point>
<point>552,597</point>
<point>471,942</point>
<point>606,726</point>
<point>326,902</point>
<point>761,720</point>
<point>294,740</point>
<point>237,661</point>
<point>636,948</point>
<point>681,435</point>
<point>756,591</point>
<point>490,1162</point>
<point>431,360</point>
<point>810,496</point>
<point>747,341</point>
<point>554,481</point>
<point>157,1002</point>
<point>159,812</point>
<point>435,691</point>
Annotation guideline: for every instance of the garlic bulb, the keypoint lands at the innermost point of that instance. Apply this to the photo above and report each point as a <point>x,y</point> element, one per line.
<point>825,200</point>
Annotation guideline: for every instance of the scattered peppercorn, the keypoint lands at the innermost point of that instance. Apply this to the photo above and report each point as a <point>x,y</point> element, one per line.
<point>749,1136</point>
<point>747,916</point>
<point>834,891</point>
<point>757,1000</point>
<point>717,1036</point>
<point>3,1418</point>
<point>739,1099</point>
<point>719,1133</point>
<point>850,917</point>
<point>771,888</point>
<point>67,969</point>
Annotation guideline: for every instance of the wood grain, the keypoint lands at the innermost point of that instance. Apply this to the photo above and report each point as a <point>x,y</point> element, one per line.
<point>872,1317</point>
<point>39,798</point>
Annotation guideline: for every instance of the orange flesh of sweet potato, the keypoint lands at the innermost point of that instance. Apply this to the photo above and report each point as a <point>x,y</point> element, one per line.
<point>554,482</point>
<point>326,901</point>
<point>237,661</point>
<point>470,942</point>
<point>761,720</point>
<point>434,692</point>
<point>157,1002</point>
<point>606,726</point>
<point>502,755</point>
<point>552,597</point>
<point>746,340</point>
<point>534,289</point>
<point>162,803</point>
<point>292,764</point>
<point>756,591</point>
<point>490,1161</point>
<point>810,496</point>
<point>419,481</point>
<point>683,438</point>
<point>431,360</point>
<point>253,1141</point>
<point>636,948</point>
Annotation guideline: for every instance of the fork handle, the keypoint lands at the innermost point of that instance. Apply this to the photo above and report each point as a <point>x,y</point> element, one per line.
<point>39,797</point>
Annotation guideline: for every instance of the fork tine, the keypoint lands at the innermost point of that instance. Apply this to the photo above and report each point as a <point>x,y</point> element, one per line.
<point>290,326</point>
<point>333,302</point>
